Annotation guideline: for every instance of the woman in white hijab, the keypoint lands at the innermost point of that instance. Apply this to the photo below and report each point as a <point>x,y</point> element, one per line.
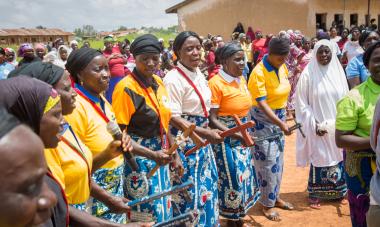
<point>63,53</point>
<point>321,85</point>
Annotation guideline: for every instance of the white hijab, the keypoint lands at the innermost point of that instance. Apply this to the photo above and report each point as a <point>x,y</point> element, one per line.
<point>58,61</point>
<point>318,90</point>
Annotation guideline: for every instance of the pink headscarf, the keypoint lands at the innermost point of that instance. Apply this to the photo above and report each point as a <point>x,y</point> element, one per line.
<point>39,46</point>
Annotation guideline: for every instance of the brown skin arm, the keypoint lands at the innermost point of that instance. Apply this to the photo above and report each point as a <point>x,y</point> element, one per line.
<point>83,219</point>
<point>347,140</point>
<point>268,111</point>
<point>353,82</point>
<point>214,123</point>
<point>211,135</point>
<point>115,204</point>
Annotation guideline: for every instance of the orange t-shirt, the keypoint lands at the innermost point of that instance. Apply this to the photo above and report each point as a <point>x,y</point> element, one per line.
<point>230,95</point>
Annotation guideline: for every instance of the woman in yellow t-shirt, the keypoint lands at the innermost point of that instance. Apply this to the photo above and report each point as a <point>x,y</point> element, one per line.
<point>90,72</point>
<point>71,162</point>
<point>238,188</point>
<point>269,87</point>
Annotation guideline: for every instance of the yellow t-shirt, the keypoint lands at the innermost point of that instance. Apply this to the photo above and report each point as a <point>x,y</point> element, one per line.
<point>71,164</point>
<point>91,127</point>
<point>270,84</point>
<point>230,95</point>
<point>135,109</point>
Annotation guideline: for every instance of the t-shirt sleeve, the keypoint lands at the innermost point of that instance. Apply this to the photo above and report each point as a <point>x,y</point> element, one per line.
<point>347,114</point>
<point>216,93</point>
<point>122,104</point>
<point>352,69</point>
<point>256,85</point>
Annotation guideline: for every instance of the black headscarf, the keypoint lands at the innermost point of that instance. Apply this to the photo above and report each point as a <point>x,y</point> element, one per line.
<point>25,98</point>
<point>7,123</point>
<point>44,71</point>
<point>227,51</point>
<point>145,44</point>
<point>279,46</point>
<point>181,38</point>
<point>364,35</point>
<point>79,59</point>
<point>369,51</point>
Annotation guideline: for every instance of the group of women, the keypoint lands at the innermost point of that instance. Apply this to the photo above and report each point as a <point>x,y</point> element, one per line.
<point>87,181</point>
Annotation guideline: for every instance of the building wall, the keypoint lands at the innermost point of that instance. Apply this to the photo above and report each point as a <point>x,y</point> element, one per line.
<point>271,16</point>
<point>17,40</point>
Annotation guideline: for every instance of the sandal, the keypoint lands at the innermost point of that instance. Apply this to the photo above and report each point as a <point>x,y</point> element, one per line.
<point>273,216</point>
<point>314,203</point>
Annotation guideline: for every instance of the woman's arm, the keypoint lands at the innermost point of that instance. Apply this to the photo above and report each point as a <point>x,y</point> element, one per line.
<point>347,140</point>
<point>268,111</point>
<point>114,203</point>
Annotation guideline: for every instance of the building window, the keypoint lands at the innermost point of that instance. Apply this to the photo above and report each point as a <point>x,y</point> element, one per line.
<point>34,40</point>
<point>354,19</point>
<point>13,40</point>
<point>320,20</point>
<point>26,40</point>
<point>338,19</point>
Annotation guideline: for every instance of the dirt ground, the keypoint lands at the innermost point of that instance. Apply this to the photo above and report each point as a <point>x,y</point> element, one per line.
<point>293,189</point>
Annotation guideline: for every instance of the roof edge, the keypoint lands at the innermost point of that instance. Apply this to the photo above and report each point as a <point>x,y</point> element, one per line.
<point>174,8</point>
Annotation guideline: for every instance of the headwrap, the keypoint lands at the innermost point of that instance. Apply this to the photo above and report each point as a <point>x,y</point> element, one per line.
<point>369,51</point>
<point>79,59</point>
<point>26,99</point>
<point>145,44</point>
<point>58,61</point>
<point>7,123</point>
<point>52,101</point>
<point>279,46</point>
<point>44,71</point>
<point>23,48</point>
<point>181,38</point>
<point>39,46</point>
<point>108,38</point>
<point>323,35</point>
<point>227,51</point>
<point>241,35</point>
<point>73,42</point>
<point>2,51</point>
<point>364,35</point>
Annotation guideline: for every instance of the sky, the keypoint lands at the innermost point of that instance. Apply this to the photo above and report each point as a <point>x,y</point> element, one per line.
<point>104,15</point>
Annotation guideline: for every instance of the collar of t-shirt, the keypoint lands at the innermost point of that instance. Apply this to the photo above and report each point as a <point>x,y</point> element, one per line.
<point>190,74</point>
<point>268,66</point>
<point>228,77</point>
<point>373,86</point>
<point>142,79</point>
<point>93,98</point>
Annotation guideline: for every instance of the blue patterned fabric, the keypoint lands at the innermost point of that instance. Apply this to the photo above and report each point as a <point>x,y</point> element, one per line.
<point>110,180</point>
<point>200,167</point>
<point>136,185</point>
<point>80,206</point>
<point>327,182</point>
<point>237,184</point>
<point>269,155</point>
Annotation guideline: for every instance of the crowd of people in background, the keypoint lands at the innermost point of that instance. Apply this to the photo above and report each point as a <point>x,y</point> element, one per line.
<point>77,173</point>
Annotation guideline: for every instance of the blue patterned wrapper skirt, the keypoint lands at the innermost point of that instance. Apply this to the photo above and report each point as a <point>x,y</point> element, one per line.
<point>269,155</point>
<point>200,167</point>
<point>237,184</point>
<point>136,184</point>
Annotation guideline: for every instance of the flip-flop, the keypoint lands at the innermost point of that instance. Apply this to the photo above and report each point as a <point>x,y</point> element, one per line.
<point>273,216</point>
<point>314,203</point>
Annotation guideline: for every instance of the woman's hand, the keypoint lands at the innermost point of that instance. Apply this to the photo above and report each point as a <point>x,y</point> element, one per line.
<point>320,132</point>
<point>213,135</point>
<point>161,158</point>
<point>240,137</point>
<point>118,205</point>
<point>177,165</point>
<point>285,128</point>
